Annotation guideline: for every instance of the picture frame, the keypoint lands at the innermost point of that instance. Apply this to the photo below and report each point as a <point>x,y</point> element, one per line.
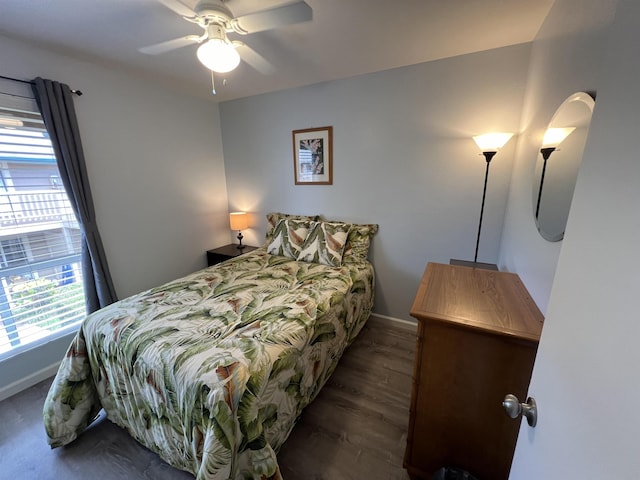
<point>313,156</point>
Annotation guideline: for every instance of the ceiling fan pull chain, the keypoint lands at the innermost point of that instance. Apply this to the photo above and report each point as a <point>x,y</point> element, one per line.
<point>213,83</point>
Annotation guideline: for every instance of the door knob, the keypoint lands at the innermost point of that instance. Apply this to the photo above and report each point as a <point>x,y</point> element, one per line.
<point>514,408</point>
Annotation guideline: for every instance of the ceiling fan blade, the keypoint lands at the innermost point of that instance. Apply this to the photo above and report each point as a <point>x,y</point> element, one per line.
<point>272,18</point>
<point>254,59</point>
<point>178,7</point>
<point>169,45</point>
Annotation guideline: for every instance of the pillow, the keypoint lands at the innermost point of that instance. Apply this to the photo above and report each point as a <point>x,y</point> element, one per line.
<point>288,237</point>
<point>358,242</point>
<point>275,217</point>
<point>325,243</point>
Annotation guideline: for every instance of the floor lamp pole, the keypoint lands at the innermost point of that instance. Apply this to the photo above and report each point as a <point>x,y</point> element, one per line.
<point>546,153</point>
<point>488,156</point>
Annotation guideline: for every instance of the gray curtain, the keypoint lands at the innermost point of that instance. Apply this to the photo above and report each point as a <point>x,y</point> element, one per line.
<point>56,105</point>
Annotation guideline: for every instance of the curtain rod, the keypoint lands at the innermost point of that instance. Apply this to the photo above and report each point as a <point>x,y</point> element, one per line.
<point>77,92</point>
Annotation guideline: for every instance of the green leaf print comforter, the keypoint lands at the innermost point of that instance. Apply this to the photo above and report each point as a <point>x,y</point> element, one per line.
<point>212,370</point>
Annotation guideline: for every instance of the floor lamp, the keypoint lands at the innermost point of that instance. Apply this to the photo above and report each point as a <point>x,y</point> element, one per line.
<point>489,144</point>
<point>552,138</point>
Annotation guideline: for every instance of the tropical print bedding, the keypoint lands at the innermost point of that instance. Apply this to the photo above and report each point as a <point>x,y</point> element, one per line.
<point>212,370</point>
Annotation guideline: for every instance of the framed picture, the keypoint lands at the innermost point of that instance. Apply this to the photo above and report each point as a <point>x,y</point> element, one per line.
<point>312,156</point>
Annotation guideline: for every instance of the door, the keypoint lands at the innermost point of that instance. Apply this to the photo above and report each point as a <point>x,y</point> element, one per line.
<point>586,379</point>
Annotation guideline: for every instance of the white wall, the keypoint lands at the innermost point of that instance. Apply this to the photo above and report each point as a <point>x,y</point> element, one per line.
<point>566,58</point>
<point>403,158</point>
<point>155,165</point>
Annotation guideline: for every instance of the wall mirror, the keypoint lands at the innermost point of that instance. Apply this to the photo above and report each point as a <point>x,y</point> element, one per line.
<point>559,159</point>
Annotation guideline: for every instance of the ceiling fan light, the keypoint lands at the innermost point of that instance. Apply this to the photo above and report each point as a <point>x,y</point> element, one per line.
<point>218,55</point>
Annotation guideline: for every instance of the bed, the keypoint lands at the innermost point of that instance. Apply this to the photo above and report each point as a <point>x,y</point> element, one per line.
<point>211,371</point>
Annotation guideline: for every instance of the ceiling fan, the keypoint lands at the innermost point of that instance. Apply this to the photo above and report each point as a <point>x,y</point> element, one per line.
<point>216,51</point>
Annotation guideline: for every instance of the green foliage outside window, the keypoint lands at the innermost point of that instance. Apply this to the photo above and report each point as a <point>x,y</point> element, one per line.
<point>47,303</point>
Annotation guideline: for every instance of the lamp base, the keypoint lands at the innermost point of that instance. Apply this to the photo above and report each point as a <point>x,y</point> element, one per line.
<point>467,263</point>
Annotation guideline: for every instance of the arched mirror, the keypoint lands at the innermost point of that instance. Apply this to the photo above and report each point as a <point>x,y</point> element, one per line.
<point>558,162</point>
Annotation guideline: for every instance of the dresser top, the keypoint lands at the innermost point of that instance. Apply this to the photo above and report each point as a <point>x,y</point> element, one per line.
<point>496,302</point>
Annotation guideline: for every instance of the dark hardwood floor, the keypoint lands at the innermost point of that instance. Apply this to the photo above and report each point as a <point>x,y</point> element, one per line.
<point>355,429</point>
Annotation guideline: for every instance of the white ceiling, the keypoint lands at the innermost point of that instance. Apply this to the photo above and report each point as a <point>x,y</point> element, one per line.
<point>345,37</point>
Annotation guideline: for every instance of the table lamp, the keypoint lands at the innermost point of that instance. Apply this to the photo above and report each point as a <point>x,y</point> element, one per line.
<point>239,221</point>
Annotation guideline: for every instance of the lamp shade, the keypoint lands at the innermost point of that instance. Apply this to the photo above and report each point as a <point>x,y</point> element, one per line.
<point>555,136</point>
<point>218,55</point>
<point>492,142</point>
<point>238,220</point>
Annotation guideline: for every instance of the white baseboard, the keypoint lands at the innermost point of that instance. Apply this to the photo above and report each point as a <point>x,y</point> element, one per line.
<point>28,381</point>
<point>411,325</point>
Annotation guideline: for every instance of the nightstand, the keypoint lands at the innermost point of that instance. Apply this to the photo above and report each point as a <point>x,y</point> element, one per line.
<point>227,252</point>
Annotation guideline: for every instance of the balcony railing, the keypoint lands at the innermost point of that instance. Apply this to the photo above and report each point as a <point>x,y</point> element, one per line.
<point>34,206</point>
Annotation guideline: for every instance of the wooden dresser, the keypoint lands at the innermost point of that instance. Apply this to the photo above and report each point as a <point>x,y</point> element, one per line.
<point>478,332</point>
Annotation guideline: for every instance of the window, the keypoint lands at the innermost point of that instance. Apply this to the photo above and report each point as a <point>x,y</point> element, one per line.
<point>41,288</point>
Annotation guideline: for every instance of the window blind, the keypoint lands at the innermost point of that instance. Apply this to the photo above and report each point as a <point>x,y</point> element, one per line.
<point>41,288</point>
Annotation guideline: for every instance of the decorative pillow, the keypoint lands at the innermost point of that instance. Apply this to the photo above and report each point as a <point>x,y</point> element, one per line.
<point>358,242</point>
<point>288,237</point>
<point>325,243</point>
<point>274,217</point>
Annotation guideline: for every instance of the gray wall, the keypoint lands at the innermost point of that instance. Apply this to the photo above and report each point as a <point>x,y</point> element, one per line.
<point>154,159</point>
<point>403,158</point>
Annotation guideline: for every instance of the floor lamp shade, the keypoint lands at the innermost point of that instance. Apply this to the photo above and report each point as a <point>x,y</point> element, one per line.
<point>555,136</point>
<point>492,142</point>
